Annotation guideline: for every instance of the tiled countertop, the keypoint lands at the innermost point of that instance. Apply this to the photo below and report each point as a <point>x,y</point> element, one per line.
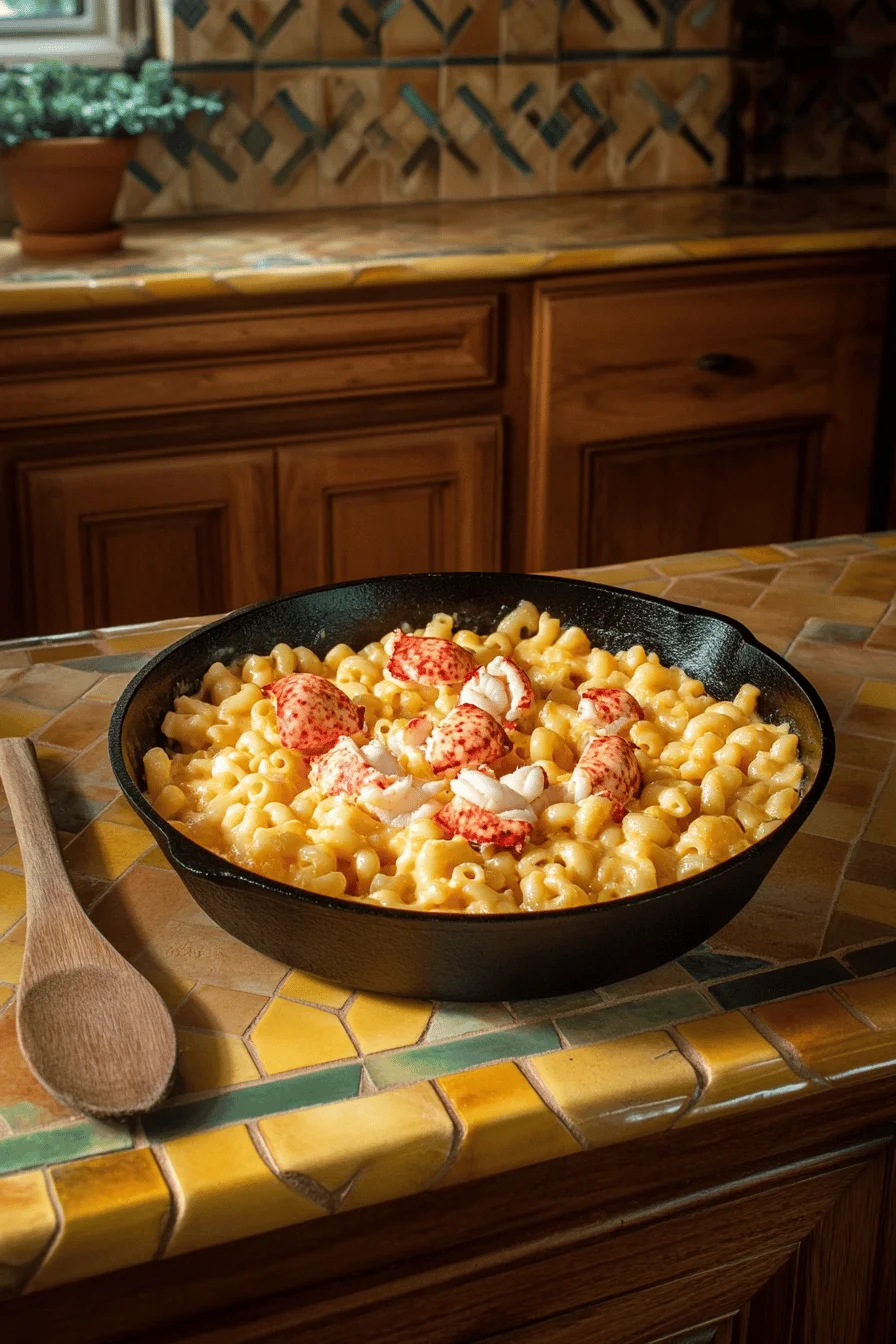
<point>297,1098</point>
<point>201,259</point>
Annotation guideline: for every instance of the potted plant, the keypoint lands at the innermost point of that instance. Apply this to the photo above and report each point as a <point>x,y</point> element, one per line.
<point>66,135</point>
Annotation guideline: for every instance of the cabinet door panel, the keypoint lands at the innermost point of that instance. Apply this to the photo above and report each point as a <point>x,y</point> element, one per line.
<point>390,502</point>
<point>113,542</point>
<point>651,361</point>
<point>666,496</point>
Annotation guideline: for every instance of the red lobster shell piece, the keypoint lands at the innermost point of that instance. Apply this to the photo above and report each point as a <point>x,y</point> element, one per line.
<point>312,713</point>
<point>608,767</point>
<point>429,661</point>
<point>343,770</point>
<point>501,688</point>
<point>466,736</point>
<point>609,709</point>
<point>481,827</point>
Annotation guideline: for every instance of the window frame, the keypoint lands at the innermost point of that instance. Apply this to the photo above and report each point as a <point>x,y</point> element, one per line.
<point>91,38</point>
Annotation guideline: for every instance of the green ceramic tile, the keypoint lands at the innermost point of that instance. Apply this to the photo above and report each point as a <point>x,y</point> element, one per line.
<point>46,1146</point>
<point>461,1019</point>
<point>338,1083</point>
<point>705,964</point>
<point>625,1019</point>
<point>428,1061</point>
<point>110,662</point>
<point>821,631</point>
<point>530,1010</point>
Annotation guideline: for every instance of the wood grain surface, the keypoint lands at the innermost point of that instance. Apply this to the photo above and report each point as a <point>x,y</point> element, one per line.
<point>91,1028</point>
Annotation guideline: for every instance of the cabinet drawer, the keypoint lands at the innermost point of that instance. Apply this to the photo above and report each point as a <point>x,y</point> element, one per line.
<point>124,365</point>
<point>642,359</point>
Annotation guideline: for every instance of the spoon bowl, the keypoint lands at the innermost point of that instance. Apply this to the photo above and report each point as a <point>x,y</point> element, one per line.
<point>85,1014</point>
<point>93,1031</point>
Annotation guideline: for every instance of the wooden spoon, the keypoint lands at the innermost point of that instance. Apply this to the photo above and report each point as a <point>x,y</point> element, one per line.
<point>94,1032</point>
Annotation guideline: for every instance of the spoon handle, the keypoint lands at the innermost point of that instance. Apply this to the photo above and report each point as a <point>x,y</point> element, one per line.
<point>46,879</point>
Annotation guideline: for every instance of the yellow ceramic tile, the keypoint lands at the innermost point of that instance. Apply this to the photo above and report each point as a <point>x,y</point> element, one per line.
<point>884,540</point>
<point>655,586</point>
<point>828,1038</point>
<point>27,1221</point>
<point>6,993</point>
<point>78,726</point>
<point>63,653</point>
<point>698,564</point>
<point>381,1023</point>
<point>743,1071</point>
<point>11,955</point>
<point>803,602</point>
<point>51,760</point>
<point>882,693</point>
<point>146,641</point>
<point>619,1089</point>
<point>110,688</point>
<point>11,858</point>
<point>866,901</point>
<point>882,826</point>
<point>182,286</point>
<point>615,574</point>
<point>506,1123</point>
<point>106,850</point>
<point>172,988</point>
<point>18,719</point>
<point>206,1062</point>
<point>388,1145</point>
<point>294,1036</point>
<point>300,985</point>
<point>114,293</point>
<point>608,258</point>
<point>154,858</point>
<point>43,298</point>
<point>122,814</point>
<point>216,1009</point>
<point>286,282</point>
<point>12,900</point>
<point>837,821</point>
<point>763,555</point>
<point>114,1209</point>
<point>228,1192</point>
<point>874,999</point>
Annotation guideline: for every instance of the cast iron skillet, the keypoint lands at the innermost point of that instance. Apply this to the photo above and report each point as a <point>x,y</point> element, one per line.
<point>471,957</point>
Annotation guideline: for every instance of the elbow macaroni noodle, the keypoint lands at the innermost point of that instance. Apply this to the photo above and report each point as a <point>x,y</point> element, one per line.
<point>716,778</point>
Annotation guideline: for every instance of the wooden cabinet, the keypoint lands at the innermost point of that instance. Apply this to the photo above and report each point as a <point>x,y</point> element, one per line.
<point>426,497</point>
<point>723,407</point>
<point>112,542</point>
<point>769,1225</point>
<point>190,458</point>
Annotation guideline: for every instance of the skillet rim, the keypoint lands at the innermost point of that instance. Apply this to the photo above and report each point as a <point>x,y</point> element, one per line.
<point>204,864</point>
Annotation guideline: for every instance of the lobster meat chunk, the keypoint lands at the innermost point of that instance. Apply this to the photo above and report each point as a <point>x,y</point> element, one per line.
<point>500,688</point>
<point>608,768</point>
<point>428,661</point>
<point>490,811</point>
<point>312,713</point>
<point>609,710</point>
<point>466,736</point>
<point>346,769</point>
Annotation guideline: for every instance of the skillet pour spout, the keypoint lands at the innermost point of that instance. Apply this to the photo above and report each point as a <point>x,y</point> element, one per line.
<point>456,956</point>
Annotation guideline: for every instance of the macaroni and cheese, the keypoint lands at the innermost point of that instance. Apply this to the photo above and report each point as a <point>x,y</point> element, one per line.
<point>524,770</point>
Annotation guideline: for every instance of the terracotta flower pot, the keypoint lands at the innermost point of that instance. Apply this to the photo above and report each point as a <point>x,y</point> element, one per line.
<point>64,193</point>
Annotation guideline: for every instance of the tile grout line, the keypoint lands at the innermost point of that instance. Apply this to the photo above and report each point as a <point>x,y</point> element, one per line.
<point>526,1069</point>
<point>298,1182</point>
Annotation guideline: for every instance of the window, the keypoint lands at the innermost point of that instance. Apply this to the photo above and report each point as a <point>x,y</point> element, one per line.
<point>73,30</point>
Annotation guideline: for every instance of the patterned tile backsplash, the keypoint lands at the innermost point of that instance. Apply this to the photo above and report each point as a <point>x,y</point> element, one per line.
<point>355,102</point>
